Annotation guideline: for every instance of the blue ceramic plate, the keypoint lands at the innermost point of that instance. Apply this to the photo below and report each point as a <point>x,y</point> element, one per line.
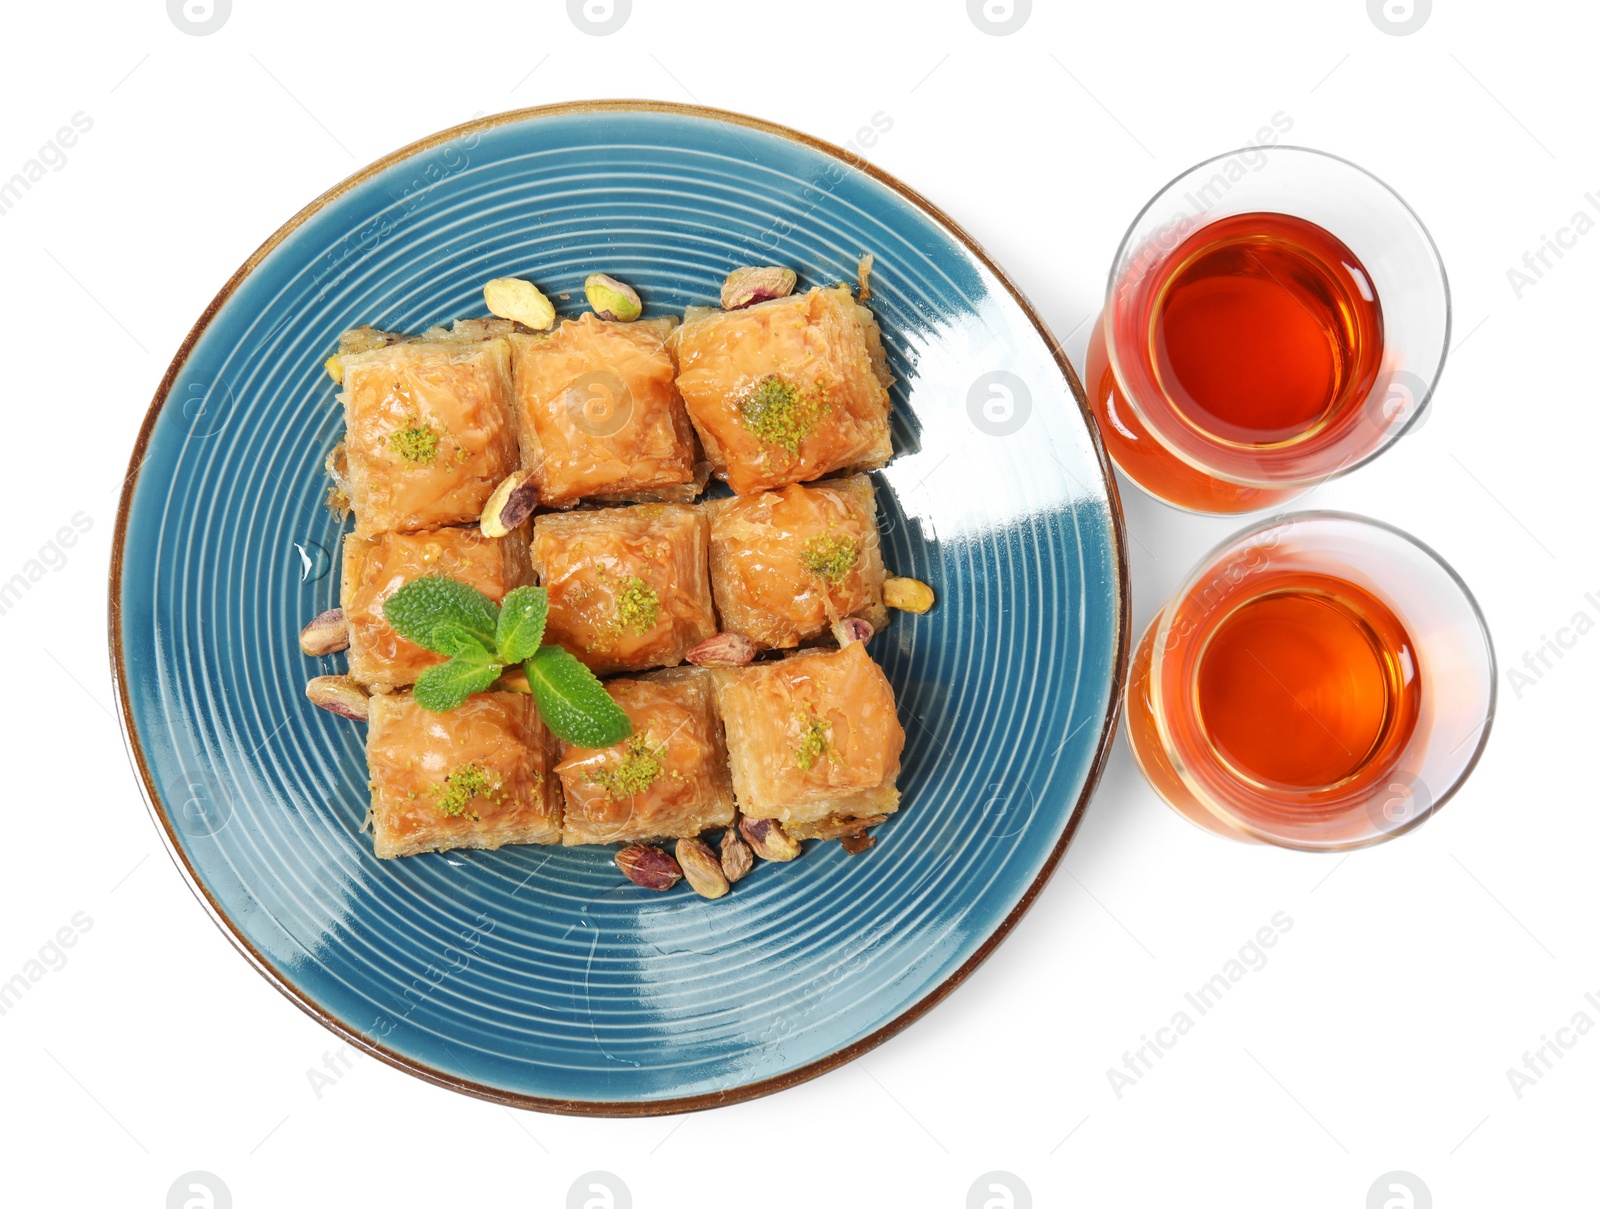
<point>537,976</point>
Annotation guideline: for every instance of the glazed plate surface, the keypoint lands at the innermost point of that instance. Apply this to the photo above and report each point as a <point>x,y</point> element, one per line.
<point>537,976</point>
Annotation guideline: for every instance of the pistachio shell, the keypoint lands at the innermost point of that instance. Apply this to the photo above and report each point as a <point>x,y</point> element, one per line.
<point>648,866</point>
<point>701,867</point>
<point>325,633</point>
<point>737,859</point>
<point>756,283</point>
<point>722,650</point>
<point>338,695</point>
<point>852,629</point>
<point>770,841</point>
<point>512,503</point>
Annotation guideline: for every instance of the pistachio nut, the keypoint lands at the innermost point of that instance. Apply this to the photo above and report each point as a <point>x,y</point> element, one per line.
<point>514,298</point>
<point>701,868</point>
<point>769,840</point>
<point>907,595</point>
<point>648,866</point>
<point>612,299</point>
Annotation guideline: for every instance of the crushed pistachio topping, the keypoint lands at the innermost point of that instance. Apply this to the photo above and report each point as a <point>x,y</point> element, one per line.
<point>641,766</point>
<point>461,786</point>
<point>637,606</point>
<point>778,414</point>
<point>813,742</point>
<point>415,443</point>
<point>830,556</point>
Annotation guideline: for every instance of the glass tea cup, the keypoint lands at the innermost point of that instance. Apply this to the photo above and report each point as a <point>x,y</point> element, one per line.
<point>1274,317</point>
<point>1322,681</point>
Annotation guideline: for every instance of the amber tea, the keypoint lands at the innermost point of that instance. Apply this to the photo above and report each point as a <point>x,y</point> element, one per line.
<point>1273,318</point>
<point>1284,694</point>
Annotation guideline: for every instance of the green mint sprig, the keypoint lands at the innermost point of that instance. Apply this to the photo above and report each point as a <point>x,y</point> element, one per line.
<point>481,638</point>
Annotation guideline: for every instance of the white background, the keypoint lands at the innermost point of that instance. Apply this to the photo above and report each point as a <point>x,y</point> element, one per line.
<point>1378,1035</point>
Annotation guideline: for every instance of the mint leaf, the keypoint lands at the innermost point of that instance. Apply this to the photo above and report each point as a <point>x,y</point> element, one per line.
<point>445,686</point>
<point>454,639</point>
<point>572,702</point>
<point>521,628</point>
<point>419,606</point>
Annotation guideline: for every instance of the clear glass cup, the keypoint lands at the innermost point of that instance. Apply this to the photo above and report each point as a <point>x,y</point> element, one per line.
<point>1155,442</point>
<point>1196,700</point>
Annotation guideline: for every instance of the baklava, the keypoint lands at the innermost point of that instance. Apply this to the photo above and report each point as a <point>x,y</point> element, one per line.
<point>376,568</point>
<point>813,740</point>
<point>599,416</point>
<point>477,777</point>
<point>787,565</point>
<point>669,779</point>
<point>788,390</point>
<point>429,432</point>
<point>629,587</point>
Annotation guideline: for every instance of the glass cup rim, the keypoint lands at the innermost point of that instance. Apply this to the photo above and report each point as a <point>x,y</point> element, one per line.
<point>1124,246</point>
<point>1208,561</point>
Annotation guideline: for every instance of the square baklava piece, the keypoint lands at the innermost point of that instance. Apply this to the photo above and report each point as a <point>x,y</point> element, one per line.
<point>478,776</point>
<point>375,568</point>
<point>813,740</point>
<point>629,587</point>
<point>429,431</point>
<point>599,415</point>
<point>788,390</point>
<point>787,565</point>
<point>668,779</point>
